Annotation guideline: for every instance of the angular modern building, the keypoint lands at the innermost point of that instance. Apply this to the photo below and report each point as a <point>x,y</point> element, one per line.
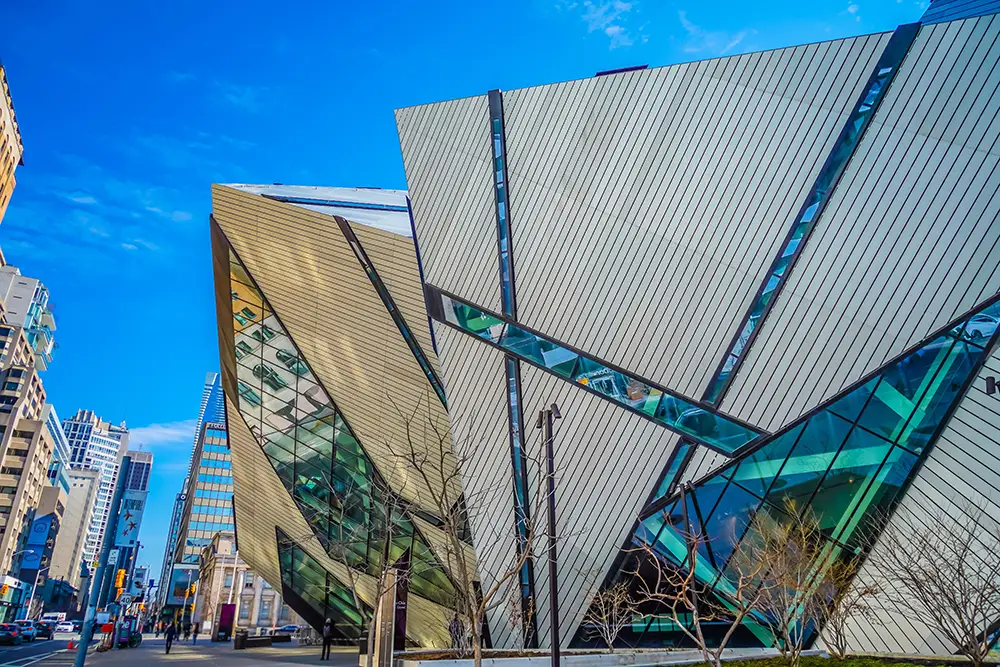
<point>743,280</point>
<point>329,375</point>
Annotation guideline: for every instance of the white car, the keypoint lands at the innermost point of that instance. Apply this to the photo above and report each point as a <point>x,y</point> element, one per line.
<point>65,626</point>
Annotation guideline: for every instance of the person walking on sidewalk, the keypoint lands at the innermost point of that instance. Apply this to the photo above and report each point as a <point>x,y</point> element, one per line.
<point>194,634</point>
<point>170,633</point>
<point>327,639</point>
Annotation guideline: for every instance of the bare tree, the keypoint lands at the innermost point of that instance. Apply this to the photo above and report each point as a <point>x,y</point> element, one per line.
<point>797,559</point>
<point>943,570</point>
<point>846,599</point>
<point>688,602</point>
<point>426,451</point>
<point>610,612</point>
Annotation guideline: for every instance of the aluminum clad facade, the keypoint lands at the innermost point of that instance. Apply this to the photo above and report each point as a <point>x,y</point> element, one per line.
<point>646,210</point>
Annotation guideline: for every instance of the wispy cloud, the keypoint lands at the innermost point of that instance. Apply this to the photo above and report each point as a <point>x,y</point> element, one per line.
<point>163,435</point>
<point>710,42</point>
<point>248,97</point>
<point>853,9</point>
<point>607,16</point>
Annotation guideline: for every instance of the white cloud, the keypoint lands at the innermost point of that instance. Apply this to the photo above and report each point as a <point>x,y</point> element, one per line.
<point>607,16</point>
<point>853,9</point>
<point>619,36</point>
<point>712,42</point>
<point>158,435</point>
<point>82,198</point>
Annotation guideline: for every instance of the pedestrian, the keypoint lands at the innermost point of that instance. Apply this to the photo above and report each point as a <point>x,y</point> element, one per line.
<point>156,627</point>
<point>170,633</point>
<point>456,630</point>
<point>327,639</point>
<point>194,634</point>
<point>187,632</point>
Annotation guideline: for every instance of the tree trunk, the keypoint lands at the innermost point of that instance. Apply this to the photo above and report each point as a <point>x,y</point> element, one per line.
<point>477,650</point>
<point>371,642</point>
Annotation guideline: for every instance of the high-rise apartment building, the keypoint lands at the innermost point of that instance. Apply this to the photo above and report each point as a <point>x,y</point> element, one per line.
<point>68,559</point>
<point>26,446</point>
<point>26,305</point>
<point>11,148</point>
<point>212,409</point>
<point>98,445</point>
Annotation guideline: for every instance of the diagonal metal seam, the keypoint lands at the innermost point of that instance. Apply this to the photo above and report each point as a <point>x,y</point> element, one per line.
<point>791,249</point>
<point>377,477</point>
<point>512,366</point>
<point>745,434</point>
<point>390,305</point>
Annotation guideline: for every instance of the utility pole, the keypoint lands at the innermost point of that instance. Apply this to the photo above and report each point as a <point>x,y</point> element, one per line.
<point>87,634</point>
<point>545,418</point>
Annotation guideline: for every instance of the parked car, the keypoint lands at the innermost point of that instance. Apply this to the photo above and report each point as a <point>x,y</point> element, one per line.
<point>289,630</point>
<point>28,632</point>
<point>66,626</point>
<point>10,633</point>
<point>77,626</point>
<point>44,629</point>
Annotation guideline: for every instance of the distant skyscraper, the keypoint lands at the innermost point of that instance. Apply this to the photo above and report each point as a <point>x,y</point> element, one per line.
<point>172,537</point>
<point>208,506</point>
<point>213,404</point>
<point>130,515</point>
<point>72,538</point>
<point>11,147</point>
<point>98,445</point>
<point>59,468</point>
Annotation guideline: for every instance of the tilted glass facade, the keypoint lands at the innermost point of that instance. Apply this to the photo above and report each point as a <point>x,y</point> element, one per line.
<point>316,454</point>
<point>843,463</point>
<point>674,411</point>
<point>304,576</point>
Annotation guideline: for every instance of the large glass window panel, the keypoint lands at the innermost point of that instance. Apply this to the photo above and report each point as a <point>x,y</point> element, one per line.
<point>756,472</point>
<point>939,396</point>
<point>808,462</point>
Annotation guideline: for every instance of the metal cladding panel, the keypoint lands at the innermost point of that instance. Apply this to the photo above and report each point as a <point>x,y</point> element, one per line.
<point>606,461</point>
<point>953,10</point>
<point>316,285</point>
<point>396,262</point>
<point>477,405</point>
<point>908,241</point>
<point>447,153</point>
<point>647,206</point>
<point>960,475</point>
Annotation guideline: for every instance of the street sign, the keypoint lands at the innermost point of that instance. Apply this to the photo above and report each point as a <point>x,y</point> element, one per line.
<point>113,558</point>
<point>125,600</point>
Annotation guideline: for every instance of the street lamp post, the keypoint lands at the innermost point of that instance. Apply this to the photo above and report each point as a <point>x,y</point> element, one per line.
<point>545,418</point>
<point>34,587</point>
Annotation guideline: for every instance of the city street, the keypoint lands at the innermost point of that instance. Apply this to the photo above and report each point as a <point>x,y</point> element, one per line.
<point>27,653</point>
<point>201,655</point>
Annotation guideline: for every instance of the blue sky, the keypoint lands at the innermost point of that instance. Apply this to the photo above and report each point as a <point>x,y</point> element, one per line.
<point>129,110</point>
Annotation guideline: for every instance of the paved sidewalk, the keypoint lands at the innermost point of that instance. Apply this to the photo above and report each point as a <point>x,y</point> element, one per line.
<point>204,654</point>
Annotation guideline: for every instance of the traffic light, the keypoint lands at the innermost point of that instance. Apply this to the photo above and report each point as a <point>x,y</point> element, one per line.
<point>120,579</point>
<point>4,589</point>
<point>192,589</point>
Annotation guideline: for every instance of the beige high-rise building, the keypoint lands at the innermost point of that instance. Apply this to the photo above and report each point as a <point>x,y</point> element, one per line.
<point>73,529</point>
<point>26,445</point>
<point>11,148</point>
